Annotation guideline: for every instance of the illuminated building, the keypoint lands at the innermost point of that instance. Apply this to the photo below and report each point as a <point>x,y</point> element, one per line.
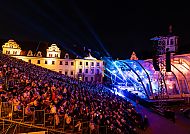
<point>11,48</point>
<point>87,69</point>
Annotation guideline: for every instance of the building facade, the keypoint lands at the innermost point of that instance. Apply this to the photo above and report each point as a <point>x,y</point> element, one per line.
<point>86,69</point>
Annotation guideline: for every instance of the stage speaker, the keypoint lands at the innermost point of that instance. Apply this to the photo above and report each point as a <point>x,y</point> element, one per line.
<point>156,63</point>
<point>168,61</point>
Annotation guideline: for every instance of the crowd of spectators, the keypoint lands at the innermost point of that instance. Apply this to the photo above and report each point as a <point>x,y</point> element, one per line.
<point>27,85</point>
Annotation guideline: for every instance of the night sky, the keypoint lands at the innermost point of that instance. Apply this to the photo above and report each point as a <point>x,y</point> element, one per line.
<point>111,27</point>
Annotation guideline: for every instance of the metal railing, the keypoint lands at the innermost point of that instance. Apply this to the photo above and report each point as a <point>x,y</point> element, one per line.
<point>10,126</point>
<point>14,117</point>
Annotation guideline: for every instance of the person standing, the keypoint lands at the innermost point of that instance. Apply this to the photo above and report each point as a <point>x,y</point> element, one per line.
<point>145,122</point>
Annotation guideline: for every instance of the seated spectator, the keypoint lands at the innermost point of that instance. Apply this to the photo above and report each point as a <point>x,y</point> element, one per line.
<point>78,100</point>
<point>28,110</point>
<point>53,109</point>
<point>78,125</point>
<point>57,121</point>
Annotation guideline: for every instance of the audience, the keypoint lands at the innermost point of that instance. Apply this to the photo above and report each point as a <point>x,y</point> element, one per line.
<point>28,85</point>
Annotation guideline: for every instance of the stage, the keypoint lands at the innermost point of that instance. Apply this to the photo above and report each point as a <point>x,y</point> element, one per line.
<point>154,101</point>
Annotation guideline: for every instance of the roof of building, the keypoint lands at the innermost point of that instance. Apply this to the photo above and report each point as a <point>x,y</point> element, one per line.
<point>35,46</point>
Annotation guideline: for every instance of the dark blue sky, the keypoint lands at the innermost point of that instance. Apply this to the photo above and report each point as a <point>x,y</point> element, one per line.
<point>118,27</point>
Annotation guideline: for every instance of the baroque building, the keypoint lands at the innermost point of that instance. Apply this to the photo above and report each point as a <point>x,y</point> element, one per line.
<point>86,69</point>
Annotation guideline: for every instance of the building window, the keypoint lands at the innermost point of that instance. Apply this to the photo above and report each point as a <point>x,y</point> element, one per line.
<point>72,73</point>
<point>60,72</point>
<point>92,71</point>
<point>38,62</point>
<point>66,56</point>
<point>86,70</point>
<point>56,55</point>
<point>7,52</point>
<point>29,61</point>
<point>92,78</point>
<point>168,42</point>
<point>97,71</point>
<point>86,63</point>
<point>53,62</point>
<point>14,52</point>
<point>171,42</point>
<point>92,63</point>
<point>80,62</point>
<point>98,64</point>
<point>50,55</point>
<point>66,72</point>
<point>66,63</point>
<point>80,70</point>
<point>72,63</point>
<point>61,63</point>
<point>45,61</point>
<point>86,78</point>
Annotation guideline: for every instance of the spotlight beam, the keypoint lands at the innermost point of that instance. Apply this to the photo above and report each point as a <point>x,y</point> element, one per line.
<point>36,27</point>
<point>72,26</point>
<point>115,75</point>
<point>89,27</point>
<point>60,27</point>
